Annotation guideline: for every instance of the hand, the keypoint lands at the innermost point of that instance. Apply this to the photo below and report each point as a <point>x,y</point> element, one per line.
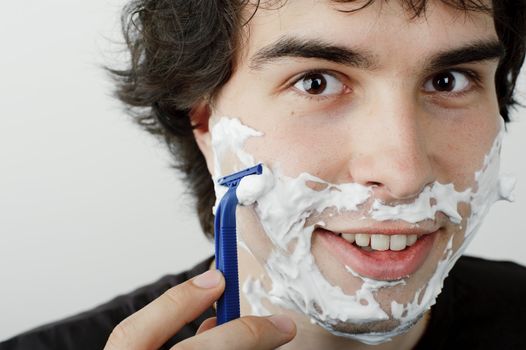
<point>150,327</point>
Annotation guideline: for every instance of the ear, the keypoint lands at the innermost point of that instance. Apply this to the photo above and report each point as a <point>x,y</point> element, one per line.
<point>200,117</point>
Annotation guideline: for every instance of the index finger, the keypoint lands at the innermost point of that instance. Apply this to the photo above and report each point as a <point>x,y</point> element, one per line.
<point>154,324</point>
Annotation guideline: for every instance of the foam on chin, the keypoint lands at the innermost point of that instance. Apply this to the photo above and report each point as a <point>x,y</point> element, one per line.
<point>283,204</point>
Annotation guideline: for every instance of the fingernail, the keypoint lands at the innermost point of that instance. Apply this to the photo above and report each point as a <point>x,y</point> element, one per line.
<point>209,279</point>
<point>283,323</point>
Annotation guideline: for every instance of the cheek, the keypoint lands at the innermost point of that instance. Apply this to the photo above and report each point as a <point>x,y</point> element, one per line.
<point>252,233</point>
<point>458,149</point>
<point>297,147</point>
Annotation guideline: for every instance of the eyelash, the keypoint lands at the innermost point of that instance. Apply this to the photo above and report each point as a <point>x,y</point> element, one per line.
<point>472,75</point>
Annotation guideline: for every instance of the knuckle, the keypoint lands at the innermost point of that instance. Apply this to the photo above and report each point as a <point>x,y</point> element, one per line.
<point>179,299</point>
<point>176,297</point>
<point>253,328</point>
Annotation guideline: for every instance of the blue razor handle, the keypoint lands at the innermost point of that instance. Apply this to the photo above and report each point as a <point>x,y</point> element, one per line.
<point>226,244</point>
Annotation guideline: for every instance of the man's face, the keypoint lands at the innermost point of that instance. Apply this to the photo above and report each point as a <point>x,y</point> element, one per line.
<point>375,98</point>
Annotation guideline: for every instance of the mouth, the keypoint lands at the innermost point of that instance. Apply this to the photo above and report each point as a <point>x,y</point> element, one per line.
<point>385,257</point>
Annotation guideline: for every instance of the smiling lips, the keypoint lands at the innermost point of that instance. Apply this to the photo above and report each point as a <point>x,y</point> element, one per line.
<point>390,255</point>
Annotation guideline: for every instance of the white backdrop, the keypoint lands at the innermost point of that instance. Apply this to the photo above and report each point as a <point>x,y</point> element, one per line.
<point>89,207</point>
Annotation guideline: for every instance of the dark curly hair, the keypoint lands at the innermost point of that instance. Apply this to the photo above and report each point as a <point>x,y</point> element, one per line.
<point>181,51</point>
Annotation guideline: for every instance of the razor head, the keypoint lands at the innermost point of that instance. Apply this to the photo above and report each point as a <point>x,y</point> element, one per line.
<point>232,180</point>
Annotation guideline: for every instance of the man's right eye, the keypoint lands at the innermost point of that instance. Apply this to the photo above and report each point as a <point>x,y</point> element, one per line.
<point>319,83</point>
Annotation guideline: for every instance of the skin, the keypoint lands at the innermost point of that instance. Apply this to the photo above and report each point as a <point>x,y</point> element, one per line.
<point>384,126</point>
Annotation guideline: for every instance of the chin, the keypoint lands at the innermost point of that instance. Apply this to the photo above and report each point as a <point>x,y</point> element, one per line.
<point>371,333</point>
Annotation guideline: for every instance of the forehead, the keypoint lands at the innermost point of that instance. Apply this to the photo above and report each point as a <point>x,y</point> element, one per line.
<point>385,28</point>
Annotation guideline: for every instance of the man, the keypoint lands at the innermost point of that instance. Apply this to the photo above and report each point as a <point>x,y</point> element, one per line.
<point>378,124</point>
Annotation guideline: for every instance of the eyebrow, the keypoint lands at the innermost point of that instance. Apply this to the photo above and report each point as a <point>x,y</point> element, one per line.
<point>310,48</point>
<point>483,50</point>
<point>284,47</point>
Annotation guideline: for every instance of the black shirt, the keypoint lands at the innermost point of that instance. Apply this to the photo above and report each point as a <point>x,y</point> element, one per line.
<point>482,306</point>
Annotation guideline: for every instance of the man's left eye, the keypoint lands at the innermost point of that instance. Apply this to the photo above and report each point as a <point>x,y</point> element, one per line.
<point>450,81</point>
<point>316,83</point>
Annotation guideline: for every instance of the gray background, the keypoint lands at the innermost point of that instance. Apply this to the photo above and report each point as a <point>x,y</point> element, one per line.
<point>89,207</point>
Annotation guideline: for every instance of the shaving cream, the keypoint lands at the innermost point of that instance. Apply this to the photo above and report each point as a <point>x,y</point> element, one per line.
<point>283,204</point>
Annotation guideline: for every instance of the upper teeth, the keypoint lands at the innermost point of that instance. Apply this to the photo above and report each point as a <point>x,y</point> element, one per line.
<point>380,242</point>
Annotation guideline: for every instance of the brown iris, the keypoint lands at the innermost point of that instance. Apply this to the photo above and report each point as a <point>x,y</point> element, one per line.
<point>444,82</point>
<point>314,83</point>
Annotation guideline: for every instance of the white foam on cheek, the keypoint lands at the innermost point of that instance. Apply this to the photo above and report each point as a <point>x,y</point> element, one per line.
<point>229,135</point>
<point>255,293</point>
<point>252,187</point>
<point>506,187</point>
<point>283,205</point>
<point>490,188</point>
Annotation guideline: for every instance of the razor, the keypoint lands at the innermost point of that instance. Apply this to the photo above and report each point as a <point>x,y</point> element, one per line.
<point>226,244</point>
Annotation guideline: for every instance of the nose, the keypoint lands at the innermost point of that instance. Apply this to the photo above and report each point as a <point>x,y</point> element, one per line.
<point>392,153</point>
